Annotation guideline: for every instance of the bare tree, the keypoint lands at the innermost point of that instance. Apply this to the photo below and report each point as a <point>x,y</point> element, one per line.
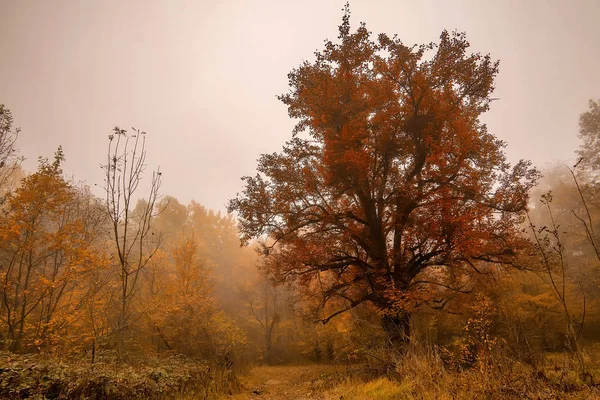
<point>551,248</point>
<point>134,240</point>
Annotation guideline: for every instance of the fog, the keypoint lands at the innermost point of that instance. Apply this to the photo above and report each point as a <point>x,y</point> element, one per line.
<point>201,77</point>
<point>356,150</point>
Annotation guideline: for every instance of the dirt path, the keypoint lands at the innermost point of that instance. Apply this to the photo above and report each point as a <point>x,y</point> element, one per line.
<point>287,382</point>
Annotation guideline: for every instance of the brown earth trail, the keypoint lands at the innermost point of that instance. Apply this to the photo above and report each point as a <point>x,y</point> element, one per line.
<point>288,382</point>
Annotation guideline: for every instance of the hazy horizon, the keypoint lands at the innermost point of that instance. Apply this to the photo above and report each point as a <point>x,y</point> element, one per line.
<point>201,78</point>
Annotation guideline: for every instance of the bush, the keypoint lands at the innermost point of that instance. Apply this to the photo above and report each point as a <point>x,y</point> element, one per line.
<point>40,377</point>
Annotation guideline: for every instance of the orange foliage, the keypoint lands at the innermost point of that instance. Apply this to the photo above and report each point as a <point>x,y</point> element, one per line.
<point>390,182</point>
<point>46,240</point>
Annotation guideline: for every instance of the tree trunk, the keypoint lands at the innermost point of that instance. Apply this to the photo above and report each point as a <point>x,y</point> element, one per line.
<point>397,328</point>
<point>268,348</point>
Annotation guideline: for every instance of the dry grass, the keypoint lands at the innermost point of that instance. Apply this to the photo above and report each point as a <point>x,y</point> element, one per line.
<point>424,376</point>
<point>377,389</point>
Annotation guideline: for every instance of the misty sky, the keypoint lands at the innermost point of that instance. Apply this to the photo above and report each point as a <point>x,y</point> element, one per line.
<point>201,76</point>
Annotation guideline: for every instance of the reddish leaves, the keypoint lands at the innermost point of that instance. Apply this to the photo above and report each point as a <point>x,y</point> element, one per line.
<point>390,172</point>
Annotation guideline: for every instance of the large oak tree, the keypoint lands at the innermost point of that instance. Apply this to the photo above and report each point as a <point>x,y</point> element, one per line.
<point>389,174</point>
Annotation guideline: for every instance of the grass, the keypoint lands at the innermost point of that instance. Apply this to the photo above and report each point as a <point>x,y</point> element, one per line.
<point>378,389</point>
<point>419,375</point>
<point>424,376</point>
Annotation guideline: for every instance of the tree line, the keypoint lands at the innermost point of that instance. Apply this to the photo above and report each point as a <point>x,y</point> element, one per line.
<point>391,217</point>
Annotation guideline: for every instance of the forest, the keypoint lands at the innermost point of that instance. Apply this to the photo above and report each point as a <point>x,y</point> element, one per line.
<point>389,250</point>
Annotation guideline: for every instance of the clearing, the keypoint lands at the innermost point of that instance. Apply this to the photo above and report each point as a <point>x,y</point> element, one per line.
<point>288,382</point>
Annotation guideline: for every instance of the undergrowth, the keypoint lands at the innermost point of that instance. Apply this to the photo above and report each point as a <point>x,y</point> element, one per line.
<point>44,377</point>
<point>424,375</point>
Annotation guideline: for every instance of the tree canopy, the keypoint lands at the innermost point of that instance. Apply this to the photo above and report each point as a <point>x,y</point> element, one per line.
<point>389,173</point>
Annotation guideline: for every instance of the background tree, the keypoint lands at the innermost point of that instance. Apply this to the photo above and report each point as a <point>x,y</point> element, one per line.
<point>46,236</point>
<point>263,300</point>
<point>390,184</point>
<point>9,162</point>
<point>588,167</point>
<point>589,133</point>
